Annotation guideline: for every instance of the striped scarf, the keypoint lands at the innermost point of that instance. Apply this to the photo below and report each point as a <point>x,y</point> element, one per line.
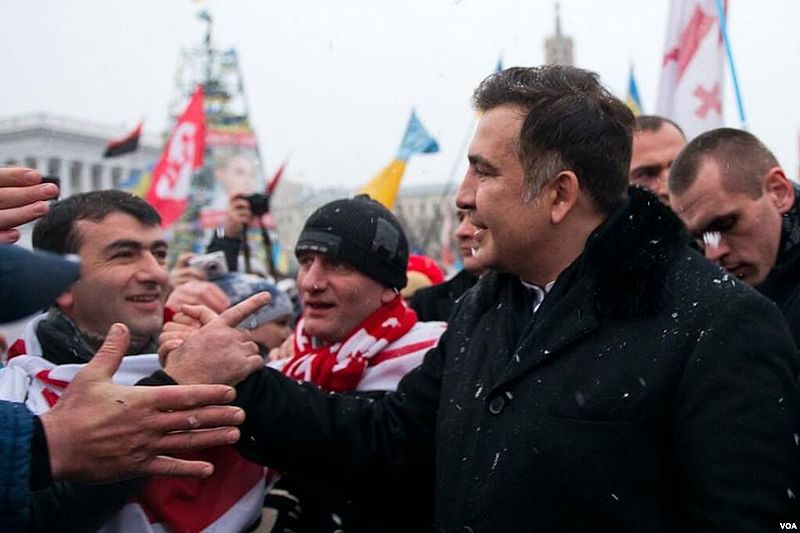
<point>340,366</point>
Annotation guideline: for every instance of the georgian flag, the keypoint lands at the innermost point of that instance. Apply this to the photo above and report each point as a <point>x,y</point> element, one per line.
<point>690,90</point>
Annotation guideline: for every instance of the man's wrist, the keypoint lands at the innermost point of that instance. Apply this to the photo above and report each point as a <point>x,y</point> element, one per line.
<point>41,475</point>
<point>54,446</point>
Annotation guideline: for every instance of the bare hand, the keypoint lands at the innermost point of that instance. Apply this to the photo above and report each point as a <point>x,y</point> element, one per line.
<point>182,272</point>
<point>174,333</point>
<point>23,198</point>
<point>284,351</point>
<point>217,352</point>
<point>238,215</point>
<point>198,293</point>
<point>100,431</point>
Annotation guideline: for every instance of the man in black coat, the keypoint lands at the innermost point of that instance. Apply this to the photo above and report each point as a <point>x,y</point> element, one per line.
<point>603,377</point>
<point>734,197</point>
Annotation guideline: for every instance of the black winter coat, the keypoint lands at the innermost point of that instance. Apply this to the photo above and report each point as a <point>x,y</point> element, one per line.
<point>782,286</point>
<point>652,392</point>
<point>436,302</point>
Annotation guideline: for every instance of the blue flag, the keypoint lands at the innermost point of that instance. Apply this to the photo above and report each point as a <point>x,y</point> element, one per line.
<point>417,140</point>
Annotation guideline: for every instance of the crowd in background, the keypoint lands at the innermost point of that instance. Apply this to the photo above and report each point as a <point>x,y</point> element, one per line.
<point>619,351</point>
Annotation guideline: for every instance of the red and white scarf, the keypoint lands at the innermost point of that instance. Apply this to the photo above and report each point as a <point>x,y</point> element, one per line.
<point>229,500</point>
<point>374,356</point>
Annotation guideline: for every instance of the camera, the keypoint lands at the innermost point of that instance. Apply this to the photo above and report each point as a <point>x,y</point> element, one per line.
<point>259,203</point>
<point>212,265</point>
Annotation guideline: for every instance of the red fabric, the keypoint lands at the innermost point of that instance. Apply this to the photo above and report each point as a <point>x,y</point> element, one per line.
<point>18,348</point>
<point>44,376</point>
<point>183,153</point>
<point>426,266</point>
<point>194,504</point>
<point>341,370</point>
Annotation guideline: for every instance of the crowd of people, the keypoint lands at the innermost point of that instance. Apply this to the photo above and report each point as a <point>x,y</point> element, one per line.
<point>619,352</point>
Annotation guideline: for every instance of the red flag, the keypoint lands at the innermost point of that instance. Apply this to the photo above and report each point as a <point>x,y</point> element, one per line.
<point>183,153</point>
<point>124,145</point>
<point>276,178</point>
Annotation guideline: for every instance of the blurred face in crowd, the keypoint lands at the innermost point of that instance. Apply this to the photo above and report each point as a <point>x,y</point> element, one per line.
<point>237,175</point>
<point>271,335</point>
<point>652,156</point>
<point>735,230</point>
<point>465,235</point>
<point>123,277</point>
<point>336,297</point>
<point>509,226</point>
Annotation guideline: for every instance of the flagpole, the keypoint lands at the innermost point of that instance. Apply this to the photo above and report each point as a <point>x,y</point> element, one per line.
<point>723,25</point>
<point>451,177</point>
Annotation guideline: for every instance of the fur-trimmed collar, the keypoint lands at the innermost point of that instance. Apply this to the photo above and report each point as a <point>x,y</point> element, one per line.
<point>625,260</point>
<point>629,254</point>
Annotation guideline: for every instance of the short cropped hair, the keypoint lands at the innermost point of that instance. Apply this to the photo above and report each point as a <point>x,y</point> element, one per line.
<point>743,161</point>
<point>56,231</point>
<point>654,123</point>
<point>571,123</point>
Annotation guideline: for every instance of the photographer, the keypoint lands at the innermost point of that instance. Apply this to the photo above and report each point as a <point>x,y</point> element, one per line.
<point>232,237</point>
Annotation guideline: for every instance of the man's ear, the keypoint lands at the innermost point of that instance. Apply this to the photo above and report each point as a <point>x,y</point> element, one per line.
<point>779,189</point>
<point>564,192</point>
<point>65,301</point>
<point>388,295</point>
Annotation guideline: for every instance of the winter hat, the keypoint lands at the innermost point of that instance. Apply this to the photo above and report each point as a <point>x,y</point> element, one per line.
<point>422,272</point>
<point>239,286</point>
<point>361,232</point>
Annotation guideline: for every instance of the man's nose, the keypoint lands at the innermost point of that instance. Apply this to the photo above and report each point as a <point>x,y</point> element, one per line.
<point>151,270</point>
<point>660,187</point>
<point>314,278</point>
<point>465,198</point>
<point>715,252</point>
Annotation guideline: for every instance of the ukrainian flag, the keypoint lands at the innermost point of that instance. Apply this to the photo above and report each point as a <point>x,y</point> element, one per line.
<point>384,186</point>
<point>633,101</point>
<point>137,182</point>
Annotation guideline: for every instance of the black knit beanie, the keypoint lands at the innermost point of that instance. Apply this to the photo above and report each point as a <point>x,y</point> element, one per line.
<point>361,232</point>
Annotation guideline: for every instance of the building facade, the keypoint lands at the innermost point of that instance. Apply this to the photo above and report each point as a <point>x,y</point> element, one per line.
<point>71,150</point>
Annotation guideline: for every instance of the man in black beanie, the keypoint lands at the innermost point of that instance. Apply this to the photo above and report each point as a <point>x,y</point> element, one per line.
<point>355,334</point>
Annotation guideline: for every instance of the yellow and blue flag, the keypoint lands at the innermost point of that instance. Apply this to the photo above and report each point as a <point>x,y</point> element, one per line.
<point>137,182</point>
<point>384,186</point>
<point>633,101</point>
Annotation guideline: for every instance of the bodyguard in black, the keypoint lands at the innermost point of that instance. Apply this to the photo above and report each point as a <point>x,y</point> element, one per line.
<point>648,391</point>
<point>736,199</point>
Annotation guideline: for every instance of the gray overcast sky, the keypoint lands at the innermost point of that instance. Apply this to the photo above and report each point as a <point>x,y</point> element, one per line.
<point>333,82</point>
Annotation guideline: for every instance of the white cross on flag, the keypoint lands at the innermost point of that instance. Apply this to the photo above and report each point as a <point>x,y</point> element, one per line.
<point>690,90</point>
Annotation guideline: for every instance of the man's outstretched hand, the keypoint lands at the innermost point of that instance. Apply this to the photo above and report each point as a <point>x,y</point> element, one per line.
<point>217,352</point>
<point>99,431</point>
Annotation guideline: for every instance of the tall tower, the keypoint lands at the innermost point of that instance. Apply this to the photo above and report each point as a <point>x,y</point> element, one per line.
<point>558,48</point>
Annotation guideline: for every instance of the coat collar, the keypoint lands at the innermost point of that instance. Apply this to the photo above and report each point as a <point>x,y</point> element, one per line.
<point>621,273</point>
<point>628,256</point>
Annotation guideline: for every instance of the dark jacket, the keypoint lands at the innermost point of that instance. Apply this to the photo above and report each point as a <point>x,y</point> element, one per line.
<point>436,302</point>
<point>650,392</point>
<point>782,285</point>
<point>16,433</point>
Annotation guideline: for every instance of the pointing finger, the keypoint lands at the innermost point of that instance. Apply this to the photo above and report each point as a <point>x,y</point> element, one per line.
<point>243,309</point>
